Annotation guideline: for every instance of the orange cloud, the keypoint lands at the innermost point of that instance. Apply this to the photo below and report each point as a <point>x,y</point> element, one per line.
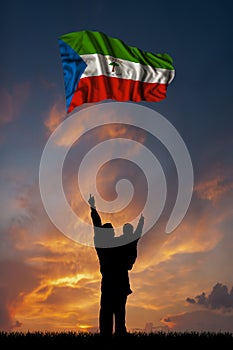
<point>214,187</point>
<point>63,273</point>
<point>83,122</point>
<point>67,276</point>
<point>65,292</point>
<point>194,235</point>
<point>59,280</point>
<point>57,114</point>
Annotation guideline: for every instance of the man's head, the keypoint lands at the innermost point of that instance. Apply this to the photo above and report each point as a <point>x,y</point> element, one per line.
<point>128,229</point>
<point>110,230</point>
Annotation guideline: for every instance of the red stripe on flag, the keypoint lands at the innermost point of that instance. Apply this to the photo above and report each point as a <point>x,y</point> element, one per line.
<point>95,89</point>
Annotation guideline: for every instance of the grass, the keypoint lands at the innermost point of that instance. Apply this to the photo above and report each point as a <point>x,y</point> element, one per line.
<point>147,340</point>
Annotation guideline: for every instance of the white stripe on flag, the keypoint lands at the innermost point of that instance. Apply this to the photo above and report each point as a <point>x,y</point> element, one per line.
<point>98,64</point>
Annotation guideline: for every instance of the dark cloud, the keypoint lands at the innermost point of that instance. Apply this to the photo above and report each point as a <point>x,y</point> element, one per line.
<point>219,298</point>
<point>202,299</point>
<point>191,300</point>
<point>201,321</point>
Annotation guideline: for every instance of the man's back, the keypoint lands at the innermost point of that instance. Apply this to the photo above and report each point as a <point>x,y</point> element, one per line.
<point>113,259</point>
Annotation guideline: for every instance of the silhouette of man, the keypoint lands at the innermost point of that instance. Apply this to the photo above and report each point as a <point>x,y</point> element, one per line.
<point>116,257</point>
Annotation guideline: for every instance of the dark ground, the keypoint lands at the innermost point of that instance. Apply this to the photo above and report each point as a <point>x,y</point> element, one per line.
<point>90,340</point>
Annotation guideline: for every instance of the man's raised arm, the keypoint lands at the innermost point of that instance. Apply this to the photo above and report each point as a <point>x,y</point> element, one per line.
<point>138,231</point>
<point>96,220</point>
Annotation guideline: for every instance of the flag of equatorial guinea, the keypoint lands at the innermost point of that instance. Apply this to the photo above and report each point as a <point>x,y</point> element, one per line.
<point>98,67</point>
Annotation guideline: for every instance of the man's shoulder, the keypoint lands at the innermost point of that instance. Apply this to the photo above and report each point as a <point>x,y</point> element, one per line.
<point>124,241</point>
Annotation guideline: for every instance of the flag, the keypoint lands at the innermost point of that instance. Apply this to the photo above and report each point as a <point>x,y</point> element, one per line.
<point>98,67</point>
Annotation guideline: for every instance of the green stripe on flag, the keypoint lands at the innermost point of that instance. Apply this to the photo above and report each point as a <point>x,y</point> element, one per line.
<point>88,42</point>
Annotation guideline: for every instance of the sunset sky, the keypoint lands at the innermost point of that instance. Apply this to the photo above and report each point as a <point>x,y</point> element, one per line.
<point>180,281</point>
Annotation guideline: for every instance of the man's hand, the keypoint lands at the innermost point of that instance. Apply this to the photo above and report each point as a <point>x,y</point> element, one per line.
<point>91,201</point>
<point>141,221</point>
